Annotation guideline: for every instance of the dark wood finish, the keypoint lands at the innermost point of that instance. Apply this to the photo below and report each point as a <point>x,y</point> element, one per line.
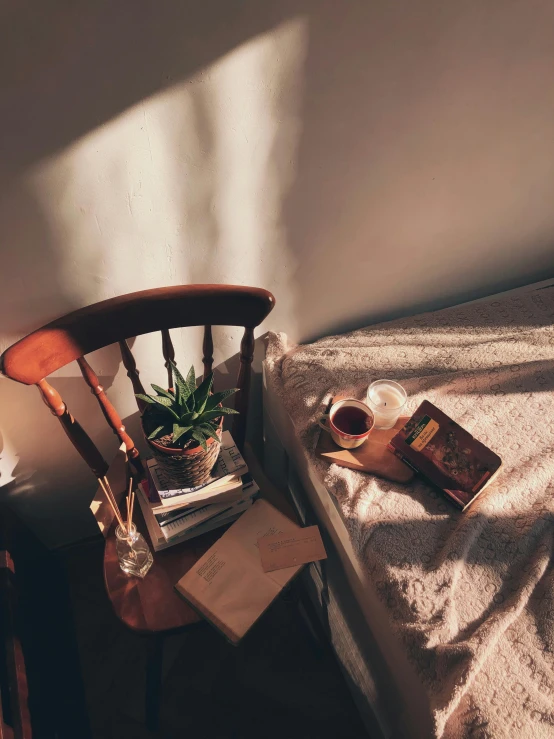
<point>6,732</point>
<point>72,336</point>
<point>169,356</point>
<point>110,321</point>
<point>154,663</point>
<point>77,435</point>
<point>207,351</point>
<point>110,413</point>
<point>20,718</point>
<point>243,383</point>
<point>132,372</point>
<point>151,605</point>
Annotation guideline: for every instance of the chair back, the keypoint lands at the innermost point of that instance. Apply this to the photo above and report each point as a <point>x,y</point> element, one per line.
<point>76,334</point>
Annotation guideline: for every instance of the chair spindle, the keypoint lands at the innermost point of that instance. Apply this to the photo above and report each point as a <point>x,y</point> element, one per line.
<point>243,383</point>
<point>132,372</point>
<point>169,356</point>
<point>208,351</point>
<point>77,435</point>
<point>110,413</point>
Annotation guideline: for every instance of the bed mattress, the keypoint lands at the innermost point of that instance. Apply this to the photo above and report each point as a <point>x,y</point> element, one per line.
<point>459,608</point>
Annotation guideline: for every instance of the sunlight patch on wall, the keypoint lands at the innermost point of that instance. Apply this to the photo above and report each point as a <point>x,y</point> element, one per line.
<point>185,186</point>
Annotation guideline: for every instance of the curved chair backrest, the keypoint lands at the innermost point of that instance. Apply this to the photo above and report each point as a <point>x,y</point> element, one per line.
<point>76,334</point>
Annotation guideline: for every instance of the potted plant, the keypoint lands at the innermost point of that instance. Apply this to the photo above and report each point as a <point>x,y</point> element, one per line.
<point>183,426</point>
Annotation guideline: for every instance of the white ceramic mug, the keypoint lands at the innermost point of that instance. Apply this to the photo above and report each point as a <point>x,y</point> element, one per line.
<point>340,437</point>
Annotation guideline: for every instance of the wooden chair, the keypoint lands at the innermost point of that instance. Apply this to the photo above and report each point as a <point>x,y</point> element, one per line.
<point>13,675</point>
<point>149,606</point>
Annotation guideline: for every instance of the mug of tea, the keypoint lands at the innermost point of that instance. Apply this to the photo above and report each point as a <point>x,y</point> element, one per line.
<point>349,422</point>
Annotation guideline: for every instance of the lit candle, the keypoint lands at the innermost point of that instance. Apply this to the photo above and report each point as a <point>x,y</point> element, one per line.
<point>386,399</point>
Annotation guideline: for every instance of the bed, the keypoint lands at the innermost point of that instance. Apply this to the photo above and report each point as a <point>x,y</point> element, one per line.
<point>443,622</point>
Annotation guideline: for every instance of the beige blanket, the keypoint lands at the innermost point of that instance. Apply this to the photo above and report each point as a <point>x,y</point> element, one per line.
<point>470,595</point>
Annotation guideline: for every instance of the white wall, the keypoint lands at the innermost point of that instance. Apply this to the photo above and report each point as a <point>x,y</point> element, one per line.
<point>359,159</point>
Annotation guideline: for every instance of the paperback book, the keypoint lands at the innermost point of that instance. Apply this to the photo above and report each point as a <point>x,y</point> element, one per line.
<point>447,455</point>
<point>225,481</point>
<point>199,520</point>
<point>228,585</point>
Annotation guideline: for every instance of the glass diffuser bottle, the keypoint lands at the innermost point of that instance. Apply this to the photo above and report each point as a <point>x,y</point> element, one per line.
<point>135,557</point>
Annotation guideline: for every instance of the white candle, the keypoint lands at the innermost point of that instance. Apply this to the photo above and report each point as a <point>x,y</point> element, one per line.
<point>386,399</point>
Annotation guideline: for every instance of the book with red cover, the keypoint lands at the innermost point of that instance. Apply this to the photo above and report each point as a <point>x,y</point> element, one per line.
<point>445,454</point>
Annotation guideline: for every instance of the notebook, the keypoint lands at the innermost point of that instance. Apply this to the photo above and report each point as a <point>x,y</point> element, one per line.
<point>228,585</point>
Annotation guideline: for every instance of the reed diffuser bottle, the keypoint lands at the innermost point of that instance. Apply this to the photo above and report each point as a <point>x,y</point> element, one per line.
<point>133,553</point>
<point>135,557</point>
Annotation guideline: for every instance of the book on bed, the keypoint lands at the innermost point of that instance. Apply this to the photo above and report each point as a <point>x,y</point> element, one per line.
<point>447,455</point>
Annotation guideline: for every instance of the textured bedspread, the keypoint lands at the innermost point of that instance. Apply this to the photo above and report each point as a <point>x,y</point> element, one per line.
<point>470,595</point>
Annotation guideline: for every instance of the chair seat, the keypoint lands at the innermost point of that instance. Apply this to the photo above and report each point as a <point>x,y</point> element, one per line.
<point>151,604</point>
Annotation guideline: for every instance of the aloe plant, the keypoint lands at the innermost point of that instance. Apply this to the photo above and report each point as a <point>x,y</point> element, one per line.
<point>186,412</point>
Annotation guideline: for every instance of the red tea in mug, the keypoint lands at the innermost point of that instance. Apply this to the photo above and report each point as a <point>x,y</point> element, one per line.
<point>351,420</point>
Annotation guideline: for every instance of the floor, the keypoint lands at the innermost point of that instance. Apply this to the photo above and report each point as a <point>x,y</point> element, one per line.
<point>278,683</point>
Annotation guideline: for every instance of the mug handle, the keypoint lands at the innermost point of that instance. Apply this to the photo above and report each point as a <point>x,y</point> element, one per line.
<point>321,423</point>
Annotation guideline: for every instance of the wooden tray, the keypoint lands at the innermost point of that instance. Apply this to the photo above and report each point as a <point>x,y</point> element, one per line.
<point>373,456</point>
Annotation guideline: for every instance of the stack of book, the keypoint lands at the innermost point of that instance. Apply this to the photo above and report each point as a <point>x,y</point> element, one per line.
<point>174,514</point>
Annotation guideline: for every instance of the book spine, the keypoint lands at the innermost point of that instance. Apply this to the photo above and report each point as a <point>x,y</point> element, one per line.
<point>402,458</point>
<point>410,464</point>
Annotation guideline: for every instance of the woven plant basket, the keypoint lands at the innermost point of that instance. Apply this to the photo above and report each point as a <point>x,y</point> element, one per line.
<point>187,467</point>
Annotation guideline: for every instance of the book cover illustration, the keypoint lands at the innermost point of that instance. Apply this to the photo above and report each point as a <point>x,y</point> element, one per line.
<point>446,454</point>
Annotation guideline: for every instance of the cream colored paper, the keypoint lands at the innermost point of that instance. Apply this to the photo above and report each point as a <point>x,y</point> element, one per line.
<point>228,584</point>
<point>291,548</point>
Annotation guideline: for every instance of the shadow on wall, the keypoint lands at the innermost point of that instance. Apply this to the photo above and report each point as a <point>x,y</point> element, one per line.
<point>65,72</point>
<point>82,64</point>
<point>423,170</point>
<point>32,283</point>
<point>41,475</point>
<point>422,178</point>
<point>418,173</point>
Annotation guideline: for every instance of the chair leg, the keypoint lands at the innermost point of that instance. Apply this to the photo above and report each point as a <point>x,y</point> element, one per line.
<point>153,681</point>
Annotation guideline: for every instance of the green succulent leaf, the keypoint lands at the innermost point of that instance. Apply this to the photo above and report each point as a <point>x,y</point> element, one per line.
<point>178,431</point>
<point>198,436</point>
<point>202,393</point>
<point>191,379</point>
<point>167,410</point>
<point>166,402</point>
<point>182,390</point>
<point>164,393</point>
<point>187,412</point>
<point>209,430</point>
<point>218,398</point>
<point>210,415</point>
<point>156,432</point>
